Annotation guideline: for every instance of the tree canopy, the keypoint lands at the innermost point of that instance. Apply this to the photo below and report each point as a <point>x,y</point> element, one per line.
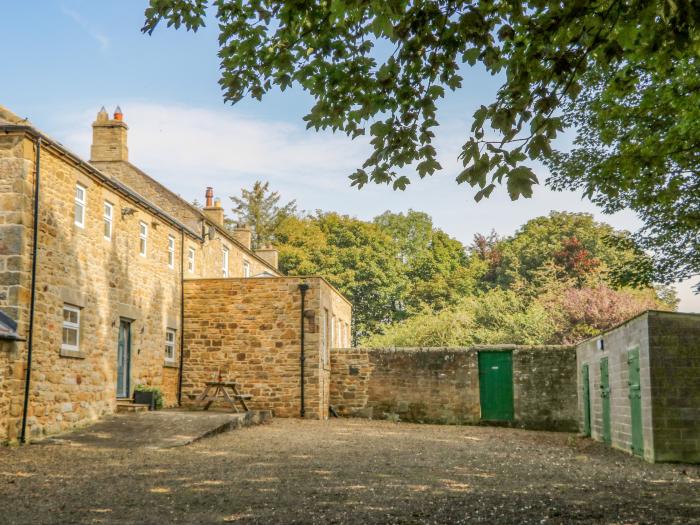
<point>381,67</point>
<point>259,207</point>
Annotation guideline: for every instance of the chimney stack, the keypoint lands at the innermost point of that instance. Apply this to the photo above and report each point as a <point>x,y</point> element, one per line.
<point>109,137</point>
<point>213,210</point>
<point>269,254</point>
<point>243,234</point>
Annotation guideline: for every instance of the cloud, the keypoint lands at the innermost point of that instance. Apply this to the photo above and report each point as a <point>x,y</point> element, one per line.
<point>96,34</point>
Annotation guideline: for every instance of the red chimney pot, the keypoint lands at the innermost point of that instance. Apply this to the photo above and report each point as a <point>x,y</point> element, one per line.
<point>209,195</point>
<point>118,115</point>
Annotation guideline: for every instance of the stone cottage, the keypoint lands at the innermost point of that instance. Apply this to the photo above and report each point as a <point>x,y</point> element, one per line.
<point>106,276</point>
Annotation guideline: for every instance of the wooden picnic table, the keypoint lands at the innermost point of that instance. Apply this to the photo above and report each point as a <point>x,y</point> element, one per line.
<point>223,388</point>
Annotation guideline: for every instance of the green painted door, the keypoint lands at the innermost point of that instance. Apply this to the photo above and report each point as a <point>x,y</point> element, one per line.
<point>635,396</point>
<point>496,385</point>
<point>605,398</point>
<point>585,384</point>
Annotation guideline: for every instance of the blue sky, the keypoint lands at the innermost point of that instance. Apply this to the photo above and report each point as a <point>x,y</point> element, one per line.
<point>68,58</point>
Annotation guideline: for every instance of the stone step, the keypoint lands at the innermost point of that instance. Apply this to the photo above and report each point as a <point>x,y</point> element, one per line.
<point>128,406</point>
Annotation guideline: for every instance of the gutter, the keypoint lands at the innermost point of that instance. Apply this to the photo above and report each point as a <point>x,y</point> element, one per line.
<point>303,287</point>
<point>182,318</point>
<point>32,301</point>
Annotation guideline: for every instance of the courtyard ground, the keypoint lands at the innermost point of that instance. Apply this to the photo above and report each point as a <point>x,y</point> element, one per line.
<point>347,471</point>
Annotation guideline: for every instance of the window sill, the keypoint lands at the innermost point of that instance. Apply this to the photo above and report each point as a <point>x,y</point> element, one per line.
<point>75,354</point>
<point>170,364</point>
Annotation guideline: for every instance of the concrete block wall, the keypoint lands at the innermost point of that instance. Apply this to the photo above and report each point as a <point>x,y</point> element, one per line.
<point>669,358</point>
<point>616,346</point>
<point>674,347</point>
<point>441,385</point>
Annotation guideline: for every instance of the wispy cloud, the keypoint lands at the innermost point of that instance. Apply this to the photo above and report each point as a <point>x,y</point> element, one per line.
<point>90,29</point>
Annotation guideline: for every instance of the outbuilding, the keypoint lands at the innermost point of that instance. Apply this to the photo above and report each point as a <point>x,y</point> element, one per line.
<point>639,386</point>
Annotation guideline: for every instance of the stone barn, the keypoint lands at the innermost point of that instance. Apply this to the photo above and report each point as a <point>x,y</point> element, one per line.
<point>639,386</point>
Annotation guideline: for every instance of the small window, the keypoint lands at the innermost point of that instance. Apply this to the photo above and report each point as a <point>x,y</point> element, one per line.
<point>171,251</point>
<point>109,209</point>
<point>71,328</point>
<point>224,269</point>
<point>143,238</point>
<point>170,345</point>
<point>190,260</point>
<point>79,210</point>
<point>333,331</point>
<point>246,269</point>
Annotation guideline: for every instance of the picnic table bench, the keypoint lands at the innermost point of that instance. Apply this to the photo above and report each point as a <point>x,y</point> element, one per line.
<point>223,390</point>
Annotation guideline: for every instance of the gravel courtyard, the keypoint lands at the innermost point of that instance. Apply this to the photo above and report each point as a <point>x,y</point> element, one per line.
<point>347,471</point>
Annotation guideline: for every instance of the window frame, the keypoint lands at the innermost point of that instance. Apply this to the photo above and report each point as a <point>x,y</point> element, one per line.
<point>246,268</point>
<point>170,345</point>
<point>108,220</point>
<point>80,203</point>
<point>225,261</point>
<point>143,239</point>
<point>71,326</point>
<point>171,252</point>
<point>190,259</point>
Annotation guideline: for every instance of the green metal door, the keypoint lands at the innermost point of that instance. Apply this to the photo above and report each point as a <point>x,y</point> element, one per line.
<point>605,398</point>
<point>635,396</point>
<point>496,385</point>
<point>585,384</point>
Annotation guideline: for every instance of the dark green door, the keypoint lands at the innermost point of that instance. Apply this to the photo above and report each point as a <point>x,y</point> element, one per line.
<point>635,396</point>
<point>123,358</point>
<point>585,385</point>
<point>605,398</point>
<point>496,385</point>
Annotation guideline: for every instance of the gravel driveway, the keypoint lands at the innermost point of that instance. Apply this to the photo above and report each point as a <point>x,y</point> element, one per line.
<point>347,471</point>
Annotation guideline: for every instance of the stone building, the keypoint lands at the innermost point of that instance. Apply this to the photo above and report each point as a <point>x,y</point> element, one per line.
<point>639,386</point>
<point>94,300</point>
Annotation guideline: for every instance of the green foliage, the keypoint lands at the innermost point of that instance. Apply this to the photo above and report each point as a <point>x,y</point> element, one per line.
<point>435,265</point>
<point>637,147</point>
<point>259,208</point>
<point>498,316</point>
<point>381,67</point>
<point>158,394</point>
<point>571,246</point>
<point>355,256</point>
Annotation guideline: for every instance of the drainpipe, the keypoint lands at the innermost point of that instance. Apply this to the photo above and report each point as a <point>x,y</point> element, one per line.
<point>303,287</point>
<point>32,300</point>
<point>182,317</point>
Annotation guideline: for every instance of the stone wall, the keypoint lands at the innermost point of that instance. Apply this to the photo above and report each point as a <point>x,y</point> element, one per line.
<point>249,330</point>
<point>441,385</point>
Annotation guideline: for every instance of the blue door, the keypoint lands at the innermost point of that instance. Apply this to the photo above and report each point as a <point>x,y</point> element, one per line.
<point>123,359</point>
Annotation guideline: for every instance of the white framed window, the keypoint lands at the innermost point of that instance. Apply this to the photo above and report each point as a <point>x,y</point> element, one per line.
<point>143,238</point>
<point>71,328</point>
<point>224,262</point>
<point>348,342</point>
<point>171,251</point>
<point>170,345</point>
<point>79,208</point>
<point>246,269</point>
<point>190,259</point>
<point>108,217</point>
<point>333,331</point>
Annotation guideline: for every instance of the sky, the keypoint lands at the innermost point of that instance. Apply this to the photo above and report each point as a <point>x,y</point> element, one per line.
<point>67,58</point>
